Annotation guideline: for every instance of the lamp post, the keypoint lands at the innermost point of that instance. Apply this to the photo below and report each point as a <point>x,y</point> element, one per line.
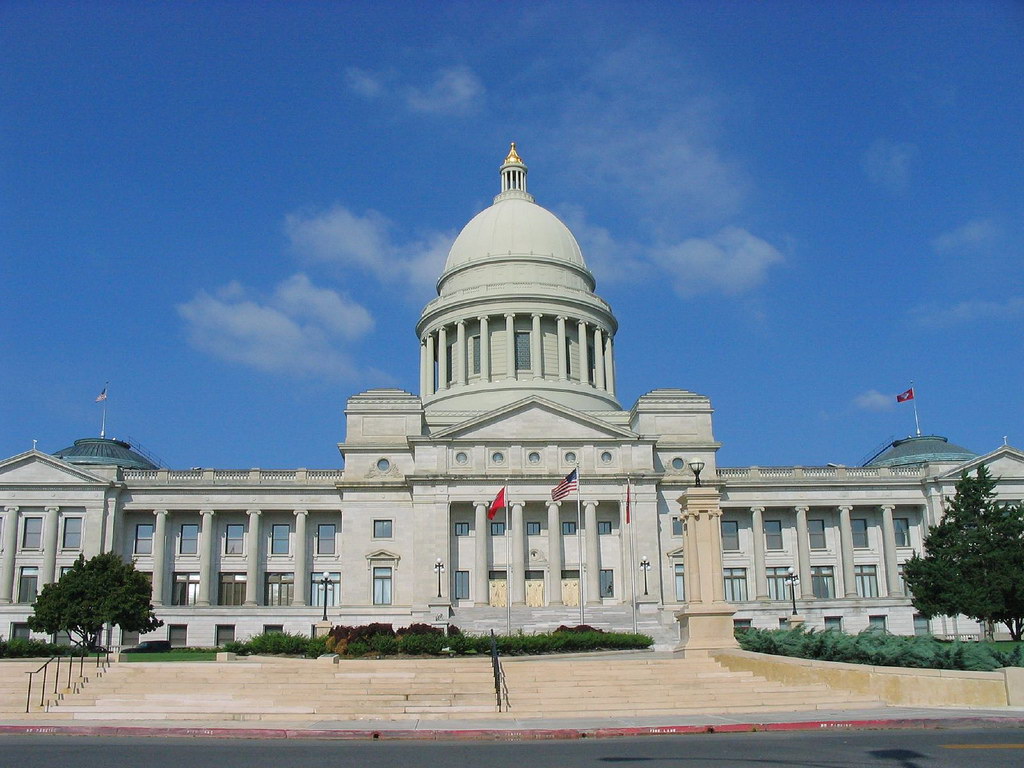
<point>792,581</point>
<point>645,566</point>
<point>325,582</point>
<point>439,569</point>
<point>696,465</point>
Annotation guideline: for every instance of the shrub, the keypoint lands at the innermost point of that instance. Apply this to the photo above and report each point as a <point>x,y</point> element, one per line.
<point>579,628</point>
<point>419,629</point>
<point>20,648</point>
<point>368,631</point>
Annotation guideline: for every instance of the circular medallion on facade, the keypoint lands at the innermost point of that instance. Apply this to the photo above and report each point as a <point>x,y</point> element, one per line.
<point>570,457</point>
<point>678,463</point>
<point>461,457</point>
<point>606,457</point>
<point>383,465</point>
<point>533,458</point>
<point>498,457</point>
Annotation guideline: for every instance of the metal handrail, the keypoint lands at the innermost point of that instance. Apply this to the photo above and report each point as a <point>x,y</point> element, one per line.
<point>500,684</point>
<point>102,662</point>
<point>42,689</point>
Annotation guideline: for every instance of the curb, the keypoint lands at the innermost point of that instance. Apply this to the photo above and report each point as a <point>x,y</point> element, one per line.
<point>513,734</point>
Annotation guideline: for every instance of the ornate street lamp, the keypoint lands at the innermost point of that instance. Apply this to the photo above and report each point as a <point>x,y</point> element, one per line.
<point>696,465</point>
<point>645,566</point>
<point>792,581</point>
<point>439,569</point>
<point>325,582</point>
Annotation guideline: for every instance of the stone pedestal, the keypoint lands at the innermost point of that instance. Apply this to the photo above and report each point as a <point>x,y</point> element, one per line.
<point>322,628</point>
<point>796,621</point>
<point>705,628</point>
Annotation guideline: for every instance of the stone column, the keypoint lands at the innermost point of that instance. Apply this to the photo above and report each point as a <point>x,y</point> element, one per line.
<point>803,552</point>
<point>481,581</point>
<point>302,570</point>
<point>593,547</point>
<point>8,551</point>
<point>424,370</point>
<point>846,551</point>
<point>581,334</point>
<point>47,574</point>
<point>485,349</point>
<point>252,558</point>
<point>517,573</point>
<point>760,577</point>
<point>442,358</point>
<point>563,374</point>
<point>598,358</point>
<point>112,526</point>
<point>510,346</point>
<point>460,352</point>
<point>431,357</point>
<point>207,547</point>
<point>554,553</point>
<point>892,580</point>
<point>536,348</point>
<point>159,555</point>
<point>609,366</point>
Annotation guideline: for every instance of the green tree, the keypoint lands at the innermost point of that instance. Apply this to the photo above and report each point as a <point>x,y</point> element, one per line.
<point>95,592</point>
<point>974,559</point>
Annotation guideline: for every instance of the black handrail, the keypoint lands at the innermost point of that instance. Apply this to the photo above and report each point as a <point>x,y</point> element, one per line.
<point>500,686</point>
<point>42,689</point>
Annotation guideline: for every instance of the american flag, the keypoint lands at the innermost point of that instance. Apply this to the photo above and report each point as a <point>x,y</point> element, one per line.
<point>101,396</point>
<point>569,484</point>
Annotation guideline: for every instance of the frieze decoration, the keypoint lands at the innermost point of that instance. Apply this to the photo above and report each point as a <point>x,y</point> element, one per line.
<point>391,471</point>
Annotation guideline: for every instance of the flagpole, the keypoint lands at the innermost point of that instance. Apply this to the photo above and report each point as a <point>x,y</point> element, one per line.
<point>632,550</point>
<point>103,421</point>
<point>579,547</point>
<point>917,422</point>
<point>508,563</point>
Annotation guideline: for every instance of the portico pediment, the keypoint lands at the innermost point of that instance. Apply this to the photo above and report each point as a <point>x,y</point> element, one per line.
<point>381,555</point>
<point>535,418</point>
<point>1004,462</point>
<point>37,468</point>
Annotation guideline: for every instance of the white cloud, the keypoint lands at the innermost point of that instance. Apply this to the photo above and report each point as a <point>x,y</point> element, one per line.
<point>887,163</point>
<point>732,261</point>
<point>365,83</point>
<point>451,91</point>
<point>873,400</point>
<point>975,233</point>
<point>964,312</point>
<point>299,330</point>
<point>609,259</point>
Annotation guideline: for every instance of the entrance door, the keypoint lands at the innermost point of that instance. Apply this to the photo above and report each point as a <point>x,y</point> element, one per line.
<point>498,592</point>
<point>535,592</point>
<point>571,591</point>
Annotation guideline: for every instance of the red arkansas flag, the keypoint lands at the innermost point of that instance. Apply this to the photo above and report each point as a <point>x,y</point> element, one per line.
<point>498,503</point>
<point>902,397</point>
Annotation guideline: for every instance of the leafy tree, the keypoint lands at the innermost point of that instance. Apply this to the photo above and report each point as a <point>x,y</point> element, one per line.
<point>974,559</point>
<point>102,590</point>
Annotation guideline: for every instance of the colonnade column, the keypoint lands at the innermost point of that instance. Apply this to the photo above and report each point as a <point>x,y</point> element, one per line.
<point>554,553</point>
<point>536,349</point>
<point>481,582</point>
<point>892,581</point>
<point>442,358</point>
<point>581,334</point>
<point>803,552</point>
<point>609,366</point>
<point>424,370</point>
<point>593,561</point>
<point>47,572</point>
<point>598,358</point>
<point>517,572</point>
<point>9,548</point>
<point>846,551</point>
<point>757,529</point>
<point>431,356</point>
<point>159,555</point>
<point>485,349</point>
<point>563,374</point>
<point>460,352</point>
<point>207,543</point>
<point>252,558</point>
<point>300,580</point>
<point>510,346</point>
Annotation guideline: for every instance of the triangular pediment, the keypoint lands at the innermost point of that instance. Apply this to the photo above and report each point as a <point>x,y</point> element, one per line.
<point>383,554</point>
<point>1004,462</point>
<point>534,418</point>
<point>37,468</point>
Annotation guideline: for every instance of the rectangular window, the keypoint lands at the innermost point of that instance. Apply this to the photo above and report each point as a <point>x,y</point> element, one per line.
<point>740,624</point>
<point>735,584</point>
<point>28,584</point>
<point>860,532</point>
<point>474,354</point>
<point>382,529</point>
<point>185,589</point>
<point>816,534</point>
<point>225,633</point>
<point>497,529</point>
<point>730,535</point>
<point>677,526</point>
<point>20,631</point>
<point>823,581</point>
<point>921,626</point>
<point>188,542</point>
<point>234,539</point>
<point>533,528</point>
<point>462,585</point>
<point>128,638</point>
<point>280,588</point>
<point>833,623</point>
<point>902,527</point>
<point>144,539</point>
<point>177,634</point>
<point>332,590</point>
<point>591,362</point>
<point>32,533</point>
<point>279,533</point>
<point>569,528</point>
<point>866,577</point>
<point>778,589</point>
<point>325,534</point>
<point>773,534</point>
<point>72,538</point>
<point>607,582</point>
<point>273,629</point>
<point>566,574</point>
<point>877,623</point>
<point>381,586</point>
<point>680,574</point>
<point>64,569</point>
<point>604,527</point>
<point>522,350</point>
<point>462,529</point>
<point>232,589</point>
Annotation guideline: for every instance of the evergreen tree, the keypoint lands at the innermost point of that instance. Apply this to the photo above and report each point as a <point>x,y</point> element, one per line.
<point>974,559</point>
<point>95,592</point>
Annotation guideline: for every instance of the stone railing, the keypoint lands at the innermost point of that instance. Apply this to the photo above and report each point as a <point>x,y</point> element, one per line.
<point>236,476</point>
<point>816,473</point>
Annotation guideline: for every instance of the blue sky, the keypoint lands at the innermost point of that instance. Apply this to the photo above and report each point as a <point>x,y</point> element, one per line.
<point>234,212</point>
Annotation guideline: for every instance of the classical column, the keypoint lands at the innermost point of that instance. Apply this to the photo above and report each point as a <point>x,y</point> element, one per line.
<point>442,358</point>
<point>252,558</point>
<point>536,349</point>
<point>598,358</point>
<point>563,374</point>
<point>554,554</point>
<point>846,551</point>
<point>481,580</point>
<point>692,562</point>
<point>159,555</point>
<point>517,574</point>
<point>431,357</point>
<point>803,552</point>
<point>47,574</point>
<point>112,526</point>
<point>207,545</point>
<point>301,574</point>
<point>892,580</point>
<point>581,334</point>
<point>760,577</point>
<point>485,349</point>
<point>510,346</point>
<point>593,562</point>
<point>460,351</point>
<point>609,366</point>
<point>424,370</point>
<point>8,550</point>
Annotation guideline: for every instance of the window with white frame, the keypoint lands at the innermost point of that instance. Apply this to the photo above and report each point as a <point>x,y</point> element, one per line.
<point>604,527</point>
<point>318,591</point>
<point>234,539</point>
<point>533,528</point>
<point>778,586</point>
<point>188,540</point>
<point>143,539</point>
<point>232,589</point>
<point>72,535</point>
<point>28,584</point>
<point>823,581</point>
<point>462,529</point>
<point>325,538</point>
<point>462,585</point>
<point>279,534</point>
<point>607,582</point>
<point>568,527</point>
<point>522,350</point>
<point>382,529</point>
<point>730,535</point>
<point>877,623</point>
<point>32,533</point>
<point>901,526</point>
<point>382,577</point>
<point>735,584</point>
<point>680,576</point>
<point>185,588</point>
<point>866,577</point>
<point>280,588</point>
<point>497,528</point>
<point>773,534</point>
<point>860,532</point>
<point>816,534</point>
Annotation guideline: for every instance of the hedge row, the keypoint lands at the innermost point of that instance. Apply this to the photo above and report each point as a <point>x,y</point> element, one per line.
<point>18,648</point>
<point>880,649</point>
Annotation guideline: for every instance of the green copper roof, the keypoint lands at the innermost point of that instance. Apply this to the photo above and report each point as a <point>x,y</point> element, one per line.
<point>101,451</point>
<point>920,450</point>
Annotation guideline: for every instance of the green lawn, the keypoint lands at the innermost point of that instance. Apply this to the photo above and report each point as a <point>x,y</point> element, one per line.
<point>179,655</point>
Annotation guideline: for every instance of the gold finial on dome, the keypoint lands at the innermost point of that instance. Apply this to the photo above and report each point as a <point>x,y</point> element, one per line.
<point>513,156</point>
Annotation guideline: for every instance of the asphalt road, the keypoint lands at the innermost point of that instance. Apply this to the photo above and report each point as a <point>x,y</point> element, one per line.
<point>977,748</point>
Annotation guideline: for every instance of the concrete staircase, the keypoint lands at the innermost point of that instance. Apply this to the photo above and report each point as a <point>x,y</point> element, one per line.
<point>14,684</point>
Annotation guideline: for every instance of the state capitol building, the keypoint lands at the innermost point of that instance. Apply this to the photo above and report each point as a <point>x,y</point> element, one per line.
<point>516,387</point>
